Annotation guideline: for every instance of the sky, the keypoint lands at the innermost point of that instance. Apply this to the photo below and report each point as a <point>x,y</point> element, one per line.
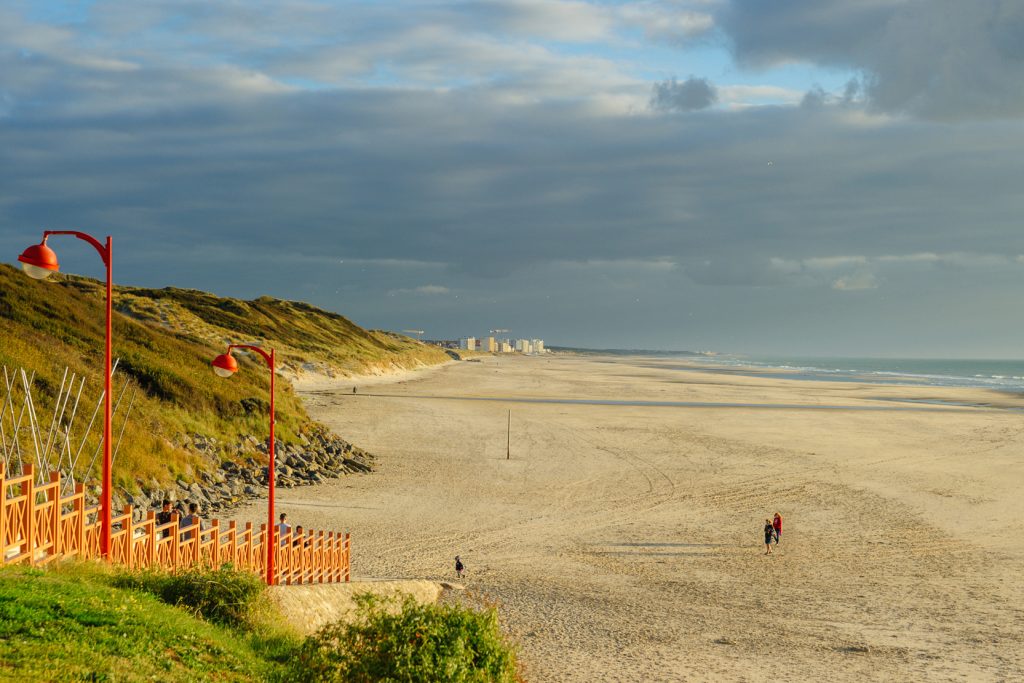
<point>810,177</point>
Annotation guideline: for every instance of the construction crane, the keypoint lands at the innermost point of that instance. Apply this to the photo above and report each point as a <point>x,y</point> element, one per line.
<point>416,332</point>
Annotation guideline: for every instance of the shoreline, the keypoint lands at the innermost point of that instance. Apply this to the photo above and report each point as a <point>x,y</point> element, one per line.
<point>859,376</point>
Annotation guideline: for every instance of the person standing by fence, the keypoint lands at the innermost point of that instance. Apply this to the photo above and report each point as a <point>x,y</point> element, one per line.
<point>283,528</point>
<point>192,519</point>
<point>164,517</point>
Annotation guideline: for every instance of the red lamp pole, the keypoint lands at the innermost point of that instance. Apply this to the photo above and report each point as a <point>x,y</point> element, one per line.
<point>39,262</point>
<point>225,365</point>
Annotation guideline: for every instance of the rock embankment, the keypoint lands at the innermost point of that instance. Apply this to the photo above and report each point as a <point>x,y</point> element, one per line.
<point>242,470</point>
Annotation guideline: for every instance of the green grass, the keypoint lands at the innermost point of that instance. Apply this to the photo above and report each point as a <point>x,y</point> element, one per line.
<point>72,624</point>
<point>91,622</point>
<point>223,596</point>
<point>166,340</point>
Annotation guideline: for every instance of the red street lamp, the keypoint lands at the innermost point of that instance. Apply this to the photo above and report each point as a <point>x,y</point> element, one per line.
<point>225,365</point>
<point>39,262</point>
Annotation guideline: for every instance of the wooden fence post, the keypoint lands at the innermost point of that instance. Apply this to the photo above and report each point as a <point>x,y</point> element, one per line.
<point>263,549</point>
<point>128,532</point>
<point>215,537</point>
<point>175,541</point>
<point>151,554</point>
<point>248,545</point>
<point>4,541</point>
<point>233,543</point>
<point>79,509</point>
<point>55,514</point>
<point>348,559</point>
<point>318,554</point>
<point>29,522</point>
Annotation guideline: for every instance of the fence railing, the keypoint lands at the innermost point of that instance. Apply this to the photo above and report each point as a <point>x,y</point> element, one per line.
<point>38,526</point>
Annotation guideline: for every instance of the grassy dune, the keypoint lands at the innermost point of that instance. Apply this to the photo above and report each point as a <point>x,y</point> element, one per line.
<point>165,340</point>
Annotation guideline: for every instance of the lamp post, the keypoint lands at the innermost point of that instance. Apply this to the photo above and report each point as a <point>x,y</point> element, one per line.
<point>225,365</point>
<point>39,262</point>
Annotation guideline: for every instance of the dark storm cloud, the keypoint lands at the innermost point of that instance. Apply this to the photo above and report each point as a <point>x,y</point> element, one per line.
<point>690,95</point>
<point>943,59</point>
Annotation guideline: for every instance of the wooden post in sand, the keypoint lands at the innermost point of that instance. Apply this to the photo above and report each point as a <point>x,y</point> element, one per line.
<point>508,442</point>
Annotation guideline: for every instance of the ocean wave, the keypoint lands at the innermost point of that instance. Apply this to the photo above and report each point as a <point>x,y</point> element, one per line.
<point>1005,375</point>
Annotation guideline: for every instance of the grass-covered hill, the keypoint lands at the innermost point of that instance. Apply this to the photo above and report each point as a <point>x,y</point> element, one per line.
<point>165,340</point>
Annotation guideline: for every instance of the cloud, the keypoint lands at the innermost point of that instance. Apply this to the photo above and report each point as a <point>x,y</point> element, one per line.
<point>608,265</point>
<point>942,59</point>
<point>739,96</point>
<point>955,259</point>
<point>431,289</point>
<point>690,95</point>
<point>831,262</point>
<point>856,282</point>
<point>674,23</point>
<point>843,272</point>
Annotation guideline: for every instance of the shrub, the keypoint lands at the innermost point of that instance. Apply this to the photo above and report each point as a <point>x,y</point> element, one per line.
<point>413,643</point>
<point>224,596</point>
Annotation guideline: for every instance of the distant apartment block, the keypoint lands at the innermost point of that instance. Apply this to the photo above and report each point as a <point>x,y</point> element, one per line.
<point>492,345</point>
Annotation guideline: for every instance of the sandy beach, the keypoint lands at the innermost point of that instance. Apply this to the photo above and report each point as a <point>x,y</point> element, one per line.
<point>624,542</point>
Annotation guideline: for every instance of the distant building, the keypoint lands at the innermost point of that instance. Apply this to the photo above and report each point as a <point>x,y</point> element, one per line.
<point>467,343</point>
<point>538,345</point>
<point>523,345</point>
<point>490,345</point>
<point>506,347</point>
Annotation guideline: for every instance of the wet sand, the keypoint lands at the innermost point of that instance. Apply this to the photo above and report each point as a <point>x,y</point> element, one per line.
<point>624,542</point>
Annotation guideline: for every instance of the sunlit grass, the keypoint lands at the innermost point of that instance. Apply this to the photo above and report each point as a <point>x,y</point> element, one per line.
<point>74,623</point>
<point>165,340</point>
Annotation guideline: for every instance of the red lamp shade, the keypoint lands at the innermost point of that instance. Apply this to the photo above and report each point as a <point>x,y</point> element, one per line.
<point>225,365</point>
<point>39,261</point>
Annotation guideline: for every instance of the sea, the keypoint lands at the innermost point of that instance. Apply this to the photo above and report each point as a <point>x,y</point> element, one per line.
<point>1002,375</point>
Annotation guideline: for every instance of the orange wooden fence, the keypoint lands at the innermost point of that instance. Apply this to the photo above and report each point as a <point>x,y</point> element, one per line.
<point>38,526</point>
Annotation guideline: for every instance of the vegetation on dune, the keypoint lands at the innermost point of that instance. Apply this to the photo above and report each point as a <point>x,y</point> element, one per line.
<point>88,621</point>
<point>165,340</point>
<point>223,596</point>
<point>392,641</point>
<point>301,332</point>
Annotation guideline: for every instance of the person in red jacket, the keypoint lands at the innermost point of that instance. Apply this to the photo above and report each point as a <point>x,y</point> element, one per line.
<point>777,525</point>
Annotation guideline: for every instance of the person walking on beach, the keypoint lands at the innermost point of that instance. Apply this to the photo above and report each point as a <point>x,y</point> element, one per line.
<point>777,526</point>
<point>460,568</point>
<point>769,532</point>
